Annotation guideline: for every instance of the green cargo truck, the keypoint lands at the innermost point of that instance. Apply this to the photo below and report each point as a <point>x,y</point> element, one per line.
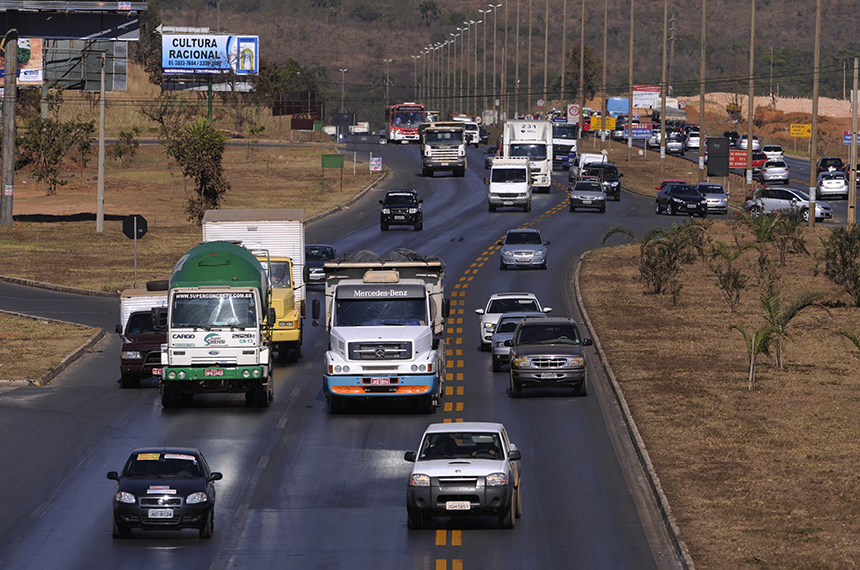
<point>218,327</point>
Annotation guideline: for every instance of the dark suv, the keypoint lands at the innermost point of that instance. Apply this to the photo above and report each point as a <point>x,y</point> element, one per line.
<point>547,352</point>
<point>733,137</point>
<point>831,164</point>
<point>608,176</point>
<point>403,208</point>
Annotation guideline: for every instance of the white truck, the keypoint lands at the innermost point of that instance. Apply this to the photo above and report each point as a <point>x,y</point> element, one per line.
<point>443,147</point>
<point>277,238</point>
<point>140,355</point>
<point>385,317</point>
<point>533,140</point>
<point>509,184</point>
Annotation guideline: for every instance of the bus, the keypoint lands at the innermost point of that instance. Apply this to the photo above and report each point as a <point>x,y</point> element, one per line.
<point>401,121</point>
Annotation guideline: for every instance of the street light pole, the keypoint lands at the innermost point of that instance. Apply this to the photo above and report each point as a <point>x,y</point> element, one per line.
<point>546,53</point>
<point>342,72</point>
<point>387,81</point>
<point>486,14</point>
<point>495,93</point>
<point>415,59</point>
<point>563,42</point>
<point>475,107</point>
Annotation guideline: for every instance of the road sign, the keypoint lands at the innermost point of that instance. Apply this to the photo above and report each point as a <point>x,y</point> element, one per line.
<point>682,104</point>
<point>540,102</point>
<point>640,131</point>
<point>134,226</point>
<point>597,123</point>
<point>376,164</point>
<point>573,110</point>
<point>801,131</point>
<point>529,117</point>
<point>846,137</point>
<point>737,158</point>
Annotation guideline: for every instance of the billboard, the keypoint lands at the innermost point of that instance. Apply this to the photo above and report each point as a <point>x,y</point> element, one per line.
<point>645,95</point>
<point>204,54</point>
<point>29,62</point>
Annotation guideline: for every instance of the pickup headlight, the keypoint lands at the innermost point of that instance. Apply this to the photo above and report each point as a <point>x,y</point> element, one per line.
<point>386,211</point>
<point>123,497</point>
<point>497,479</point>
<point>413,210</point>
<point>131,355</point>
<point>419,480</point>
<point>577,362</point>
<point>196,498</point>
<point>522,362</point>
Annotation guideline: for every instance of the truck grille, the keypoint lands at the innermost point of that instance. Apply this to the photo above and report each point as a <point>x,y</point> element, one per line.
<point>445,154</point>
<point>379,350</point>
<point>549,361</point>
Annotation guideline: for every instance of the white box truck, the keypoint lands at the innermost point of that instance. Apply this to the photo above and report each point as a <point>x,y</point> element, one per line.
<point>533,140</point>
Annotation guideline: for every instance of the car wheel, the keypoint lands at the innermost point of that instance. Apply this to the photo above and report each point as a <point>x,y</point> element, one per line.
<point>419,226</point>
<point>572,209</point>
<point>618,196</point>
<point>527,207</point>
<point>506,516</point>
<point>169,396</point>
<point>129,380</point>
<point>384,227</point>
<point>603,209</point>
<point>414,519</point>
<point>703,215</point>
<point>670,209</point>
<point>657,208</point>
<point>497,364</point>
<point>516,389</point>
<point>502,264</point>
<point>206,529</point>
<point>543,265</point>
<point>120,531</point>
<point>583,388</point>
<point>491,207</point>
<point>805,215</point>
<point>485,346</point>
<point>755,211</point>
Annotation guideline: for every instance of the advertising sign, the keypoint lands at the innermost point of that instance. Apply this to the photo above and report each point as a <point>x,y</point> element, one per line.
<point>640,131</point>
<point>376,164</point>
<point>737,158</point>
<point>645,95</point>
<point>184,54</point>
<point>29,62</point>
<point>846,137</point>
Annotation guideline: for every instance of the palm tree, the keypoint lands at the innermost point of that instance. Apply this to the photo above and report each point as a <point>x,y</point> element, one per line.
<point>730,281</point>
<point>778,317</point>
<point>758,344</point>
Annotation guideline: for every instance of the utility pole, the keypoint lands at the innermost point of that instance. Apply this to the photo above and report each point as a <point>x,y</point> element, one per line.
<point>475,107</point>
<point>663,88</point>
<point>751,110</point>
<point>563,48</point>
<point>852,184</point>
<point>7,192</point>
<point>342,72</point>
<point>546,53</point>
<point>630,94</point>
<point>672,57</point>
<point>504,82</point>
<point>415,59</point>
<point>702,138</point>
<point>581,69</point>
<point>486,14</point>
<point>529,62</point>
<point>495,93</point>
<point>517,66</point>
<point>605,43</point>
<point>813,155</point>
<point>387,81</point>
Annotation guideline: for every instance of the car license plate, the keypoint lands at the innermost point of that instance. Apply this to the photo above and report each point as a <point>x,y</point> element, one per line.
<point>547,376</point>
<point>508,203</point>
<point>213,372</point>
<point>399,217</point>
<point>160,513</point>
<point>380,381</point>
<point>457,505</point>
<point>586,201</point>
<point>444,164</point>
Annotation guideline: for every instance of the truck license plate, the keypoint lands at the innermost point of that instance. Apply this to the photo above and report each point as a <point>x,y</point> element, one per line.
<point>160,513</point>
<point>213,372</point>
<point>457,505</point>
<point>380,381</point>
<point>156,371</point>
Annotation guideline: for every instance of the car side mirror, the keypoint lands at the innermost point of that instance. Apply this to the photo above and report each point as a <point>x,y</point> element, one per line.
<point>409,456</point>
<point>587,342</point>
<point>546,243</point>
<point>119,329</point>
<point>515,455</point>
<point>113,475</point>
<point>620,175</point>
<point>500,242</point>
<point>479,311</point>
<point>421,201</point>
<point>214,476</point>
<point>381,202</point>
<point>547,309</point>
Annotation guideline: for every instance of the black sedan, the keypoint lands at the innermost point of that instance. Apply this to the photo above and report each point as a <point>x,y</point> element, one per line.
<point>681,198</point>
<point>164,488</point>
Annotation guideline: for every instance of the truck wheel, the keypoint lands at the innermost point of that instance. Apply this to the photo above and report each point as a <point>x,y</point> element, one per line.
<point>426,173</point>
<point>158,285</point>
<point>528,207</point>
<point>129,380</point>
<point>414,519</point>
<point>491,207</point>
<point>460,173</point>
<point>425,404</point>
<point>337,404</point>
<point>169,396</point>
<point>516,389</point>
<point>260,398</point>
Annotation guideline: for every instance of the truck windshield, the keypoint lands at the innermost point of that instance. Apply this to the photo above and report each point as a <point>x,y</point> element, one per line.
<point>380,312</point>
<point>444,137</point>
<point>409,119</point>
<point>509,175</point>
<point>279,274</point>
<point>208,310</point>
<point>532,151</point>
<point>564,131</point>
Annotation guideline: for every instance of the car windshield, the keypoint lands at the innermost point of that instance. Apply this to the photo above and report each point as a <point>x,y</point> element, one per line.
<point>162,465</point>
<point>833,176</point>
<point>523,238</point>
<point>533,151</point>
<point>461,445</point>
<point>140,323</point>
<point>609,171</point>
<point>711,189</point>
<point>400,200</point>
<point>512,305</point>
<point>548,334</point>
<point>685,190</point>
<point>588,187</point>
<point>828,162</point>
<point>775,164</point>
<point>319,253</point>
<point>511,175</point>
<point>674,137</point>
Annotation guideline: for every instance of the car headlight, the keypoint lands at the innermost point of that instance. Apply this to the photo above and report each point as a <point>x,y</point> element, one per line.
<point>506,253</point>
<point>131,355</point>
<point>678,200</point>
<point>522,362</point>
<point>123,497</point>
<point>577,362</point>
<point>196,498</point>
<point>489,326</point>
<point>540,253</point>
<point>386,211</point>
<point>419,480</point>
<point>497,479</point>
<point>413,210</point>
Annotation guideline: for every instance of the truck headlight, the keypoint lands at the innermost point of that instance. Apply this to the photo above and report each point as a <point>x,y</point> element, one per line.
<point>338,369</point>
<point>497,479</point>
<point>131,355</point>
<point>196,498</point>
<point>419,480</point>
<point>123,497</point>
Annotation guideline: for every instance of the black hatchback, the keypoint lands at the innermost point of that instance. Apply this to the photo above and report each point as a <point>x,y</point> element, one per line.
<point>401,208</point>
<point>164,488</point>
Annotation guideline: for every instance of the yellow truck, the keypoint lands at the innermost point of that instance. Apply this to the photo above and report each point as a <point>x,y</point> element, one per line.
<point>276,237</point>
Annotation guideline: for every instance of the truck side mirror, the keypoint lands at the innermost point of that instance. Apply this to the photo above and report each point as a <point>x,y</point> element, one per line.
<point>446,307</point>
<point>159,318</point>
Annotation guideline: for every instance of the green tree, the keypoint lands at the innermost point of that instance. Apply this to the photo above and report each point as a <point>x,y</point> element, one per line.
<point>730,280</point>
<point>592,68</point>
<point>779,317</point>
<point>199,149</point>
<point>842,260</point>
<point>430,12</point>
<point>147,50</point>
<point>758,343</point>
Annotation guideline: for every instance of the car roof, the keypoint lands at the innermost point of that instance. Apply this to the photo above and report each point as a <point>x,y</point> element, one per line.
<point>177,450</point>
<point>463,426</point>
<point>513,294</point>
<point>522,315</point>
<point>554,320</point>
<point>523,230</point>
<point>402,191</point>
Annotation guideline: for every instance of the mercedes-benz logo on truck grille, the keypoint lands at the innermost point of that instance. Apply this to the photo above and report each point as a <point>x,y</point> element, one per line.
<point>380,352</point>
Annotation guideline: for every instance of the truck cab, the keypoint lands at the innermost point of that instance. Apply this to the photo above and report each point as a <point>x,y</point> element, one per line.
<point>443,147</point>
<point>509,184</point>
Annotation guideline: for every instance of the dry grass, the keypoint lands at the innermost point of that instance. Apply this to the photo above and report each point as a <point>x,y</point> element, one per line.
<point>756,479</point>
<point>23,341</point>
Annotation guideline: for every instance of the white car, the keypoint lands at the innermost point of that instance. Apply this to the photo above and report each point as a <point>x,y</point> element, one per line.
<point>832,184</point>
<point>773,151</point>
<point>743,143</point>
<point>693,140</point>
<point>500,303</point>
<point>467,468</point>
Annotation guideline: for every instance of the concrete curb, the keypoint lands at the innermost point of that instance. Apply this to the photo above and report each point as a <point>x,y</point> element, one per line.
<point>77,353</point>
<point>633,432</point>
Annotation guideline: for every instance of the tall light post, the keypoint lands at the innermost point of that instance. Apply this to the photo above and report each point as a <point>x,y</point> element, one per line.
<point>563,47</point>
<point>448,77</point>
<point>415,59</point>
<point>387,81</point>
<point>517,66</point>
<point>529,62</point>
<point>468,62</point>
<point>494,92</point>
<point>546,52</point>
<point>342,73</point>
<point>582,69</point>
<point>458,83</point>
<point>603,131</point>
<point>504,82</point>
<point>475,106</point>
<point>454,75</point>
<point>486,14</point>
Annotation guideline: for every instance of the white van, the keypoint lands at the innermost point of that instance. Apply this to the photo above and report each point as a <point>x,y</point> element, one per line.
<point>509,184</point>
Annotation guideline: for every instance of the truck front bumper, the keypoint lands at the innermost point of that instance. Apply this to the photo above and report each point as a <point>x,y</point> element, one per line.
<point>382,386</point>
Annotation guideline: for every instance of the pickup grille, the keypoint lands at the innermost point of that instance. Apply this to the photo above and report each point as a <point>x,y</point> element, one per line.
<point>458,482</point>
<point>380,350</point>
<point>549,361</point>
